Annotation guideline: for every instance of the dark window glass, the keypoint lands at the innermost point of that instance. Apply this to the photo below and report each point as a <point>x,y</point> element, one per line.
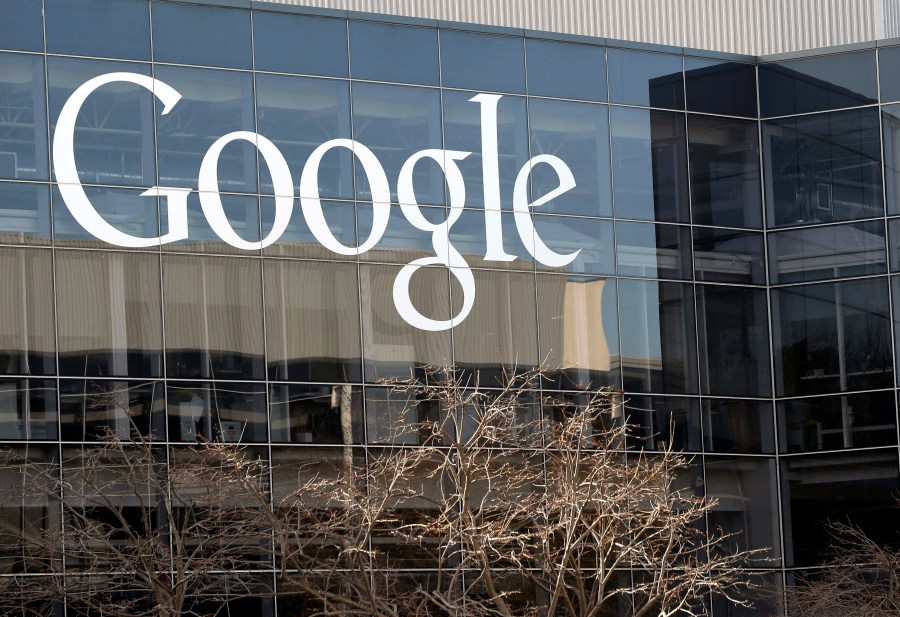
<point>294,466</point>
<point>645,78</point>
<point>894,244</point>
<point>213,104</point>
<point>823,167</point>
<point>305,44</point>
<point>395,122</point>
<point>213,312</point>
<point>482,61</point>
<point>649,164</point>
<point>298,114</point>
<point>101,28</point>
<point>312,321</point>
<point>578,134</point>
<point>227,412</point>
<point>316,414</point>
<point>389,52</point>
<point>817,84</point>
<point>24,213</point>
<point>592,239</point>
<point>27,324</point>
<point>242,213</point>
<point>27,409</point>
<point>738,426</point>
<point>653,251</point>
<point>578,330</point>
<point>890,120</point>
<point>837,422</point>
<point>889,73</point>
<point>469,236</point>
<point>718,87</point>
<point>832,251</point>
<point>728,256</point>
<point>114,131</point>
<point>205,35</point>
<point>661,422</point>
<point>125,409</point>
<point>22,25</point>
<point>857,488</point>
<point>734,341</point>
<point>394,417</point>
<point>764,594</point>
<point>832,337</point>
<point>391,347</point>
<point>23,105</point>
<point>109,315</point>
<point>723,157</point>
<point>298,240</point>
<point>402,242</point>
<point>566,70</point>
<point>123,209</point>
<point>659,353</point>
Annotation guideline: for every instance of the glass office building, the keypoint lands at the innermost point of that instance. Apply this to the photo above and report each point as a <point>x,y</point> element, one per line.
<point>724,254</point>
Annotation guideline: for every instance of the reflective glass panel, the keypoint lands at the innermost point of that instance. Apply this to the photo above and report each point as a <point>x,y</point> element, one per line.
<point>578,330</point>
<point>23,105</point>
<point>734,341</point>
<point>307,44</point>
<point>728,256</point>
<point>591,239</point>
<point>316,414</point>
<point>653,251</point>
<point>822,168</point>
<point>22,25</point>
<point>402,242</point>
<point>312,321</point>
<point>661,422</point>
<point>831,251</point>
<point>124,209</point>
<point>500,61</point>
<point>108,312</point>
<point>890,122</point>
<point>24,213</point>
<point>293,466</point>
<point>659,353</point>
<point>816,84</point>
<point>394,417</point>
<point>566,70</point>
<point>889,73</point>
<point>213,313</point>
<point>470,236</point>
<point>27,324</point>
<point>719,87</point>
<point>99,28</point>
<point>226,412</point>
<point>731,425</point>
<point>91,410</point>
<point>723,156</point>
<point>241,213</point>
<point>194,34</point>
<point>390,52</point>
<point>645,78</point>
<point>299,241</point>
<point>649,164</point>
<point>27,408</point>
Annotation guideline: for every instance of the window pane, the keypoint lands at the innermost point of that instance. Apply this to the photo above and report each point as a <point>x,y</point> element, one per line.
<point>836,422</point>
<point>645,78</point>
<point>817,84</point>
<point>242,214</point>
<point>827,252</point>
<point>316,414</point>
<point>734,341</point>
<point>578,330</point>
<point>312,336</point>
<point>27,408</point>
<point>24,213</point>
<point>592,239</point>
<point>890,120</point>
<point>398,418</point>
<point>100,28</point>
<point>22,25</point>
<point>389,52</point>
<point>109,318</point>
<point>123,209</point>
<point>27,324</point>
<point>724,162</point>
<point>717,87</point>
<point>213,312</point>
<point>126,409</point>
<point>823,168</point>
<point>738,426</point>
<point>402,242</point>
<point>727,256</point>
<point>661,422</point>
<point>500,61</point>
<point>306,44</point>
<point>192,34</point>
<point>469,236</point>
<point>653,251</point>
<point>23,134</point>
<point>227,412</point>
<point>659,354</point>
<point>566,70</point>
<point>649,164</point>
<point>299,241</point>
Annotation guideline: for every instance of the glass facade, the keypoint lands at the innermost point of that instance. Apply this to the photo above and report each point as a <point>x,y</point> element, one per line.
<point>727,253</point>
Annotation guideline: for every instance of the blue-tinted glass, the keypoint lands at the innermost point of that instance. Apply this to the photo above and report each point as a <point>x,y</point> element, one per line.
<point>717,87</point>
<point>395,122</point>
<point>723,157</point>
<point>817,84</point>
<point>104,28</point>
<point>24,213</point>
<point>649,164</point>
<point>124,209</point>
<point>213,104</point>
<point>22,25</point>
<point>23,134</point>
<point>566,70</point>
<point>299,241</point>
<point>205,35</point>
<point>890,120</point>
<point>824,167</point>
<point>468,235</point>
<point>401,242</point>
<point>889,73</point>
<point>114,130</point>
<point>577,133</point>
<point>482,61</point>
<point>288,43</point>
<point>831,251</point>
<point>653,251</point>
<point>645,78</point>
<point>728,256</point>
<point>242,213</point>
<point>738,426</point>
<point>387,52</point>
<point>592,239</point>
